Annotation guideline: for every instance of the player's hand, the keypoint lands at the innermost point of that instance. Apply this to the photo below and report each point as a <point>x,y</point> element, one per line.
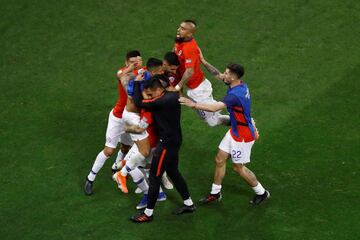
<point>257,134</point>
<point>139,77</point>
<point>187,102</point>
<point>139,61</point>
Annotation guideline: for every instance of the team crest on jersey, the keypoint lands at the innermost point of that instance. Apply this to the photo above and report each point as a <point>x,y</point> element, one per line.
<point>179,53</point>
<point>171,79</point>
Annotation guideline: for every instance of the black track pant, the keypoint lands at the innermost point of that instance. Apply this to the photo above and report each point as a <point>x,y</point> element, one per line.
<point>165,158</point>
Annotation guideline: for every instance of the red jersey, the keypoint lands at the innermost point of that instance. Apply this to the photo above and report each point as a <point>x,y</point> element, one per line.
<point>151,130</point>
<point>122,99</point>
<point>189,57</point>
<point>173,79</point>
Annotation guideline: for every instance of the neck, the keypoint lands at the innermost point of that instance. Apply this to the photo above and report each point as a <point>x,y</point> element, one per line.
<point>236,83</point>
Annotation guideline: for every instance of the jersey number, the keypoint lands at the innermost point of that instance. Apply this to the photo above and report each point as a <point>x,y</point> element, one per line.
<point>236,154</point>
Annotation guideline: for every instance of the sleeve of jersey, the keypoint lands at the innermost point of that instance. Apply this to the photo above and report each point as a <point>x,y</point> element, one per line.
<point>229,100</point>
<point>190,55</point>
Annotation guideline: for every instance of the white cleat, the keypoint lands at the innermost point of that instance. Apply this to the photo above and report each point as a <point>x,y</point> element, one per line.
<point>166,182</point>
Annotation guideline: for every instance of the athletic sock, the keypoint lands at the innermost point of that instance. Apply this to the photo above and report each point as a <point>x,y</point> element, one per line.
<point>259,189</point>
<point>215,189</point>
<point>139,180</point>
<point>132,163</point>
<point>149,212</point>
<point>117,164</point>
<point>99,162</point>
<point>188,202</point>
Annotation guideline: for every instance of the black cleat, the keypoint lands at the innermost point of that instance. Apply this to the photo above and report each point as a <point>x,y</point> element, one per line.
<point>211,198</point>
<point>185,209</point>
<point>141,218</point>
<point>259,198</point>
<point>88,187</point>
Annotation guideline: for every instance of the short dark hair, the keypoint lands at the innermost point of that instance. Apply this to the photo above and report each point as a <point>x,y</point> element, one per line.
<point>153,62</point>
<point>236,69</point>
<point>155,82</point>
<point>172,58</point>
<point>190,21</point>
<point>132,53</point>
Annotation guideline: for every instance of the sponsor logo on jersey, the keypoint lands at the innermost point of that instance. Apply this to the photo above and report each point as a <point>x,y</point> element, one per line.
<point>188,61</point>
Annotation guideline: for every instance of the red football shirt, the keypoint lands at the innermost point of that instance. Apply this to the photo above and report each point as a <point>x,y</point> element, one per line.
<point>189,57</point>
<point>151,130</point>
<point>122,98</point>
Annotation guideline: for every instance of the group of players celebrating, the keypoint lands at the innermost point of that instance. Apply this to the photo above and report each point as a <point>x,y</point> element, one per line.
<point>146,123</point>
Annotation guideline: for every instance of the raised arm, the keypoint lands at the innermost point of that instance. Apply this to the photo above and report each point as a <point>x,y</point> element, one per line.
<point>211,69</point>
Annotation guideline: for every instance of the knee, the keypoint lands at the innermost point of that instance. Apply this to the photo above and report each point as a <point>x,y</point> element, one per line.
<point>109,151</point>
<point>219,161</point>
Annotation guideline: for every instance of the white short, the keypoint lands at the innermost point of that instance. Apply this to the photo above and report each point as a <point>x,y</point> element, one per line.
<point>239,151</point>
<point>133,150</point>
<point>115,132</point>
<point>203,94</point>
<point>131,118</point>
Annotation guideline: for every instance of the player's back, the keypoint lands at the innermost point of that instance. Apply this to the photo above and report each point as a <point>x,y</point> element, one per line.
<point>239,106</point>
<point>167,118</point>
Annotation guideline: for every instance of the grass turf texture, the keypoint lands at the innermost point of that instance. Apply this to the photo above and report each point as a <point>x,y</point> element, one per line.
<point>302,61</point>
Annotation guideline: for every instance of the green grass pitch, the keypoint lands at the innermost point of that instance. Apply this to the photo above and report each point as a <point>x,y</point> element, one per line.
<point>57,79</point>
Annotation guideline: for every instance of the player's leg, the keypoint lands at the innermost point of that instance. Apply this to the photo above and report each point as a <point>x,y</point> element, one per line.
<point>203,94</point>
<point>135,157</point>
<point>125,145</point>
<point>113,132</point>
<point>221,157</point>
<point>172,169</point>
<point>156,171</point>
<point>241,156</point>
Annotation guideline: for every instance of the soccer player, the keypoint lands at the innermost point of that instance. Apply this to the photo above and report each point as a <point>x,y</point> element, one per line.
<point>166,111</point>
<point>115,128</point>
<point>171,63</point>
<point>199,88</point>
<point>239,140</point>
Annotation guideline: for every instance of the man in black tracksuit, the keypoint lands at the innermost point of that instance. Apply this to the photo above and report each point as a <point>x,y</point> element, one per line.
<point>166,111</point>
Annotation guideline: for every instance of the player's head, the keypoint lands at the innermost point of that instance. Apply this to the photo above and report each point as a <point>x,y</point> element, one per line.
<point>233,72</point>
<point>155,66</point>
<point>171,62</point>
<point>186,30</point>
<point>153,87</point>
<point>133,57</point>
